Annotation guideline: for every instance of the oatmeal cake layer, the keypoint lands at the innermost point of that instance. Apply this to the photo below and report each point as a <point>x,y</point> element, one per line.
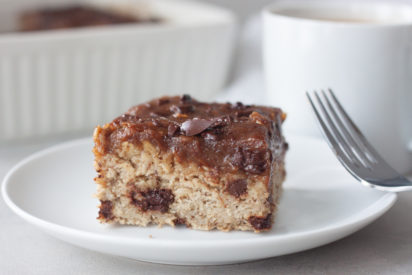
<point>175,160</point>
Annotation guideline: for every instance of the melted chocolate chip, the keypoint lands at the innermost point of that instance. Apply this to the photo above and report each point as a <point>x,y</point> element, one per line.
<point>172,129</point>
<point>185,98</point>
<point>195,126</point>
<point>240,106</point>
<point>105,211</point>
<point>237,187</point>
<point>180,221</point>
<point>155,199</point>
<point>253,161</point>
<point>256,162</point>
<point>261,223</point>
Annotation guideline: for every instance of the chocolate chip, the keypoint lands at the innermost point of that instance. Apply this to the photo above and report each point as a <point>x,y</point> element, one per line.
<point>261,223</point>
<point>105,211</point>
<point>237,187</point>
<point>256,162</point>
<point>185,98</point>
<point>179,221</point>
<point>253,161</point>
<point>154,199</point>
<point>217,131</point>
<point>238,105</point>
<point>172,129</point>
<point>195,126</point>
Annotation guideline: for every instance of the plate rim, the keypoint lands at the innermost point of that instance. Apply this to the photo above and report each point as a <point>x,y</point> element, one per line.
<point>374,210</point>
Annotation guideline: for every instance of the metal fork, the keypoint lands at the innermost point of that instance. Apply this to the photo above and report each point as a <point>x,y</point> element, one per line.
<point>352,149</point>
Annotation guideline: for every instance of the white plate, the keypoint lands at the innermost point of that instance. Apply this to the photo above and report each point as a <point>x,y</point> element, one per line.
<point>321,203</point>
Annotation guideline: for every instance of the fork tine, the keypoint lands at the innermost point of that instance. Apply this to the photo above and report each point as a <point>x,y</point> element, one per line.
<point>334,130</point>
<point>354,146</point>
<point>380,167</point>
<point>372,153</point>
<point>380,175</point>
<point>342,156</point>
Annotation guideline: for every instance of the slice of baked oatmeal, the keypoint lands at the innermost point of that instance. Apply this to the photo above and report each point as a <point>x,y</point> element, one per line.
<point>175,160</point>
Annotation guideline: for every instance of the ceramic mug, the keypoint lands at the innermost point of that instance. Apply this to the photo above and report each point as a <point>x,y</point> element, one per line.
<point>363,51</point>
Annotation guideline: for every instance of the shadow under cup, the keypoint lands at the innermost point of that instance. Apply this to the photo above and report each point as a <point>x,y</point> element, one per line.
<point>363,51</point>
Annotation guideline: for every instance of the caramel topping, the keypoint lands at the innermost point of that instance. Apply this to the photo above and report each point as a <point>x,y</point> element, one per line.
<point>224,137</point>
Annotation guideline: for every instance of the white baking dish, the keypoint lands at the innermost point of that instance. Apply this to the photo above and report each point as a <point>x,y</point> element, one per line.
<point>58,81</point>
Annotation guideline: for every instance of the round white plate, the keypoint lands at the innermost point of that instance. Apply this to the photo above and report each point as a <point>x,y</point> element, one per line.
<point>321,203</point>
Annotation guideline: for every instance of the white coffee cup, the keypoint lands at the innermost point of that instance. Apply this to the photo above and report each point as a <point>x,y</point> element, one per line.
<point>363,51</point>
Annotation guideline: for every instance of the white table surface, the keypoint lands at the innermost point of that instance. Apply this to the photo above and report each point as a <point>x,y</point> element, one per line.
<point>384,247</point>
